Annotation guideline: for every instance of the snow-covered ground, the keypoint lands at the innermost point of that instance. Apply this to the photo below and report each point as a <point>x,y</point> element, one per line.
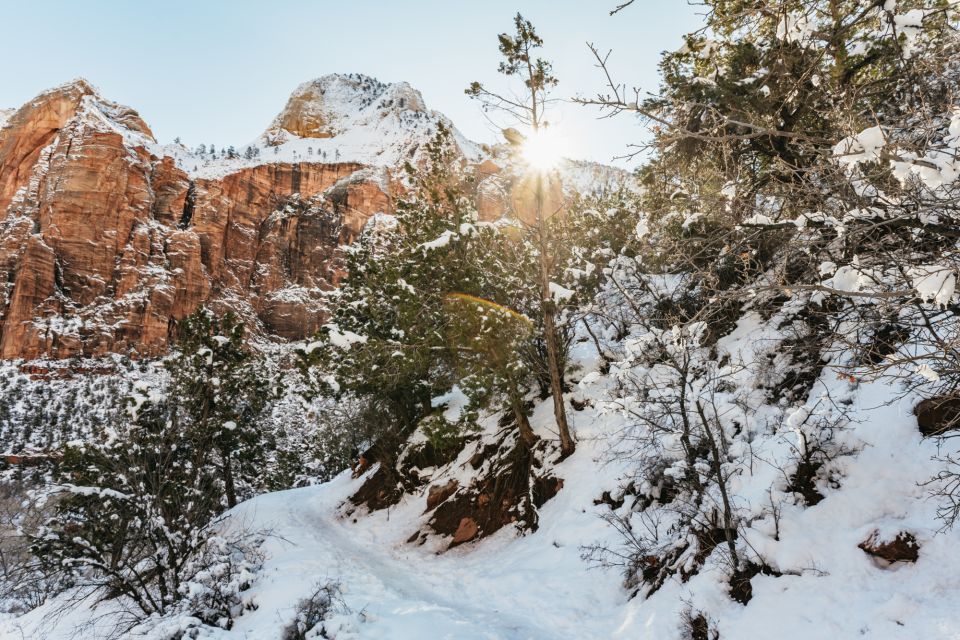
<point>538,587</point>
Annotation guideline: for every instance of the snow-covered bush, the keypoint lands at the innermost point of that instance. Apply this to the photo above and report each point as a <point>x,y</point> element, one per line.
<point>24,585</point>
<point>216,578</point>
<point>804,153</point>
<point>136,519</point>
<point>311,612</point>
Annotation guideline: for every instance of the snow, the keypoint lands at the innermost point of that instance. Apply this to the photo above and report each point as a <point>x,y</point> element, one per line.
<point>454,403</point>
<point>94,491</point>
<point>342,339</point>
<point>863,147</point>
<point>642,229</point>
<point>331,382</point>
<point>847,278</point>
<point>5,115</point>
<point>538,586</point>
<point>439,242</point>
<point>691,219</point>
<point>758,218</point>
<point>560,293</point>
<point>795,29</point>
<point>909,24</point>
<point>927,372</point>
<point>367,122</point>
<point>934,283</point>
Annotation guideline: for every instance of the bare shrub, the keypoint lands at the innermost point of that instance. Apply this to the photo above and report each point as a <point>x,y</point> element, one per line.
<point>313,610</point>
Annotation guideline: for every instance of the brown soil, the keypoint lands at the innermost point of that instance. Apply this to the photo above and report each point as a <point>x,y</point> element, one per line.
<point>937,416</point>
<point>509,493</point>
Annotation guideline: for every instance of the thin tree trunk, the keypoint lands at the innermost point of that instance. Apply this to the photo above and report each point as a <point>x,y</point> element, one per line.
<point>228,480</point>
<point>728,525</point>
<point>567,446</point>
<point>527,436</point>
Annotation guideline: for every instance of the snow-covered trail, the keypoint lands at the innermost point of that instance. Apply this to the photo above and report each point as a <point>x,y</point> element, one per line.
<point>533,587</point>
<point>505,588</point>
<point>394,591</point>
<point>537,586</point>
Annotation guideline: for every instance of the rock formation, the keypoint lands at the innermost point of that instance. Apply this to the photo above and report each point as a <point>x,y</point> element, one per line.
<point>107,238</point>
<point>106,241</point>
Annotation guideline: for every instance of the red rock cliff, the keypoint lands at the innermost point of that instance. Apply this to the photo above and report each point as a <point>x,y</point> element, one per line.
<point>104,243</point>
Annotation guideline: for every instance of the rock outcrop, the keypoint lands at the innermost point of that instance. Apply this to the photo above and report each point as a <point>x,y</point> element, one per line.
<point>337,104</point>
<point>106,241</point>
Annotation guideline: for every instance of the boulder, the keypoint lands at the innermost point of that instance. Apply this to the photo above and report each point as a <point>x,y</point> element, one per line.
<point>466,532</point>
<point>902,548</point>
<point>440,492</point>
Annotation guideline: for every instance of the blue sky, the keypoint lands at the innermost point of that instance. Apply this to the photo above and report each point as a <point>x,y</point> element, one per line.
<point>219,70</point>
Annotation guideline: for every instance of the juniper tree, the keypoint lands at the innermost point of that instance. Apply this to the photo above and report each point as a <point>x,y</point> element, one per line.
<point>751,106</point>
<point>133,510</point>
<point>803,150</point>
<point>221,389</point>
<point>386,344</point>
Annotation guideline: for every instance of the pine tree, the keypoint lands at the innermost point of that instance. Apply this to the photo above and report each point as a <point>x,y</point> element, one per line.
<point>518,51</point>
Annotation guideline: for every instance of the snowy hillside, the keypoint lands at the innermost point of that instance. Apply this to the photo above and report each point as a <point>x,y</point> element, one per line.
<point>715,400</point>
<point>539,586</point>
<point>336,118</point>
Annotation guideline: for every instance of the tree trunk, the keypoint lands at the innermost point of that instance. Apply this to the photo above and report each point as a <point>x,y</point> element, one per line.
<point>228,481</point>
<point>729,528</point>
<point>567,445</point>
<point>527,436</point>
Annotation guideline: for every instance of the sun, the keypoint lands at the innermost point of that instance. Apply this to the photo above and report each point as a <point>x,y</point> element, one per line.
<point>543,149</point>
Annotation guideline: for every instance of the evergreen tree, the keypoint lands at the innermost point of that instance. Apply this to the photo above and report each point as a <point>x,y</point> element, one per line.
<point>135,511</point>
<point>751,107</point>
<point>389,342</point>
<point>221,392</point>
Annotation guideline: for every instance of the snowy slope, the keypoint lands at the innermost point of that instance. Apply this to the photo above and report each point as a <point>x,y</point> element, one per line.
<point>366,121</point>
<point>537,587</point>
<point>5,115</point>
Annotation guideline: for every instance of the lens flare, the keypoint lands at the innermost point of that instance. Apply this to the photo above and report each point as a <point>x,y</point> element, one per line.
<point>543,149</point>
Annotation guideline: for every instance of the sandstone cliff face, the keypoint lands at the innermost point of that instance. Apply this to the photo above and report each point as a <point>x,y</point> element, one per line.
<point>104,244</point>
<point>107,238</point>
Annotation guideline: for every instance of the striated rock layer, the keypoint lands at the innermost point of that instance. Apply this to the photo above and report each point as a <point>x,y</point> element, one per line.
<point>105,242</point>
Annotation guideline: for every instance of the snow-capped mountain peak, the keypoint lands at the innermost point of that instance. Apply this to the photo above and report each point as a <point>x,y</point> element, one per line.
<point>334,103</point>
